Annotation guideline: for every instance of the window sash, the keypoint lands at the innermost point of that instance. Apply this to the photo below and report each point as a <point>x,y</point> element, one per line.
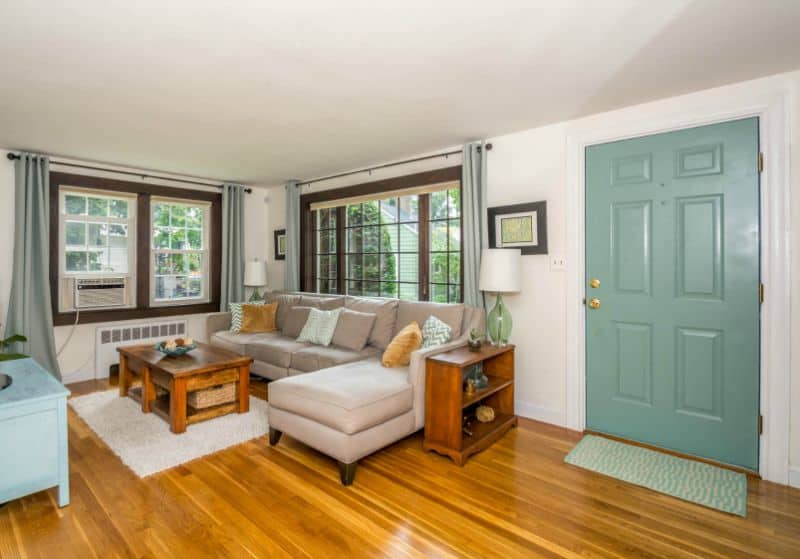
<point>204,252</point>
<point>86,248</point>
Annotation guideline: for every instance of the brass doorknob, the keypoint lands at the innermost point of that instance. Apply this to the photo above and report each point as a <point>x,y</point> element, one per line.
<point>594,283</point>
<point>594,303</point>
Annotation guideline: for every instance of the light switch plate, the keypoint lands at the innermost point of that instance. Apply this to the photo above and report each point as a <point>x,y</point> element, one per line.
<point>558,263</point>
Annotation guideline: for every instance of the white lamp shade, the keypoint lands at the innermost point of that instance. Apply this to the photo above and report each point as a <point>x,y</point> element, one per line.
<point>501,270</point>
<point>255,274</point>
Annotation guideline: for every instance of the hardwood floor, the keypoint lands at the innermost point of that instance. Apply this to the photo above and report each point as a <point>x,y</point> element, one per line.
<point>517,499</point>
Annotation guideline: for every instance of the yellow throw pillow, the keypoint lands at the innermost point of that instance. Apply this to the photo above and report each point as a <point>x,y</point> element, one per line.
<point>259,318</point>
<point>407,340</point>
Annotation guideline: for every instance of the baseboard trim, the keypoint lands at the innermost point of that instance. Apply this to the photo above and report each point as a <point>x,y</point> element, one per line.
<point>794,476</point>
<point>541,413</point>
<point>77,376</point>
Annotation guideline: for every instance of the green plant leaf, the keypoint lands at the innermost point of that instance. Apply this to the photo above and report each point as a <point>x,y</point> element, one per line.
<point>12,356</point>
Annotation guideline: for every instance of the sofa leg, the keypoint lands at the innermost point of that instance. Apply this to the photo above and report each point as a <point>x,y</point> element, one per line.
<point>274,436</point>
<point>347,472</point>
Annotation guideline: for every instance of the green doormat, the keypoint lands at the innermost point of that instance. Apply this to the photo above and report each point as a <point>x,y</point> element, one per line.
<point>693,481</point>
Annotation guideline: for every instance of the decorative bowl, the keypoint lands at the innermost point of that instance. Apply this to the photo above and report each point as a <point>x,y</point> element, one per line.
<point>178,351</point>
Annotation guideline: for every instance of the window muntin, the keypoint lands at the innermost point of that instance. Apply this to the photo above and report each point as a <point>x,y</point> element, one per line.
<point>97,233</point>
<point>326,256</point>
<point>179,251</point>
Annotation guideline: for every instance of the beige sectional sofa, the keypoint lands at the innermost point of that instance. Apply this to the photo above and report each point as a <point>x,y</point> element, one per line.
<point>340,399</point>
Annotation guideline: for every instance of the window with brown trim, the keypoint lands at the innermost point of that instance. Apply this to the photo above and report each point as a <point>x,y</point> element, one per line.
<point>156,248</point>
<point>399,237</point>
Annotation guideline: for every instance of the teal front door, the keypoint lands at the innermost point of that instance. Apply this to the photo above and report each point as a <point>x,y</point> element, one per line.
<point>672,290</point>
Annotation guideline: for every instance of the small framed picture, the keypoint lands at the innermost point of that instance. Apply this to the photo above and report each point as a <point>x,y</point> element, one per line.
<point>522,226</point>
<point>280,244</point>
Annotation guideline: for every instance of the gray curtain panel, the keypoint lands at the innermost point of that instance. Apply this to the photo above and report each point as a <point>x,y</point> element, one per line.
<point>291,278</point>
<point>29,310</point>
<point>232,273</point>
<point>473,207</point>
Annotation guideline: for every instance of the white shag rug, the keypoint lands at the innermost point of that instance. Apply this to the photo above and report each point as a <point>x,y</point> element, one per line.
<point>145,443</point>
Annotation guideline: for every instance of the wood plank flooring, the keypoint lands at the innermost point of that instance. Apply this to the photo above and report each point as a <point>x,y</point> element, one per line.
<point>517,499</point>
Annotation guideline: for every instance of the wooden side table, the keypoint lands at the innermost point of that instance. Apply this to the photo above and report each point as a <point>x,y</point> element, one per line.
<point>446,400</point>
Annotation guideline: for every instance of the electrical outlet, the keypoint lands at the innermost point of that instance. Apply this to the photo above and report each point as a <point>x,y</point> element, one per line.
<point>558,264</point>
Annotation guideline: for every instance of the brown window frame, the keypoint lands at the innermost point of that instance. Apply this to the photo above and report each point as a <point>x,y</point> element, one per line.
<point>308,227</point>
<point>144,193</point>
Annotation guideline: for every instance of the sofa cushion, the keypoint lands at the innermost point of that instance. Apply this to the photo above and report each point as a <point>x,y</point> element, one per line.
<point>323,303</point>
<point>435,332</point>
<point>237,314</point>
<point>407,341</point>
<point>353,329</point>
<point>276,350</point>
<point>236,341</point>
<point>315,358</point>
<point>295,319</point>
<point>348,398</point>
<point>259,318</point>
<point>419,311</point>
<point>285,303</point>
<point>319,327</point>
<point>385,311</point>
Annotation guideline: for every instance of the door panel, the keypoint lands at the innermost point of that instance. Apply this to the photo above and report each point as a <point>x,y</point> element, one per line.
<point>672,234</point>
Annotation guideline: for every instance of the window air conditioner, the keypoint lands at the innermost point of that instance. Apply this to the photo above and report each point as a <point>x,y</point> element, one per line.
<point>92,293</point>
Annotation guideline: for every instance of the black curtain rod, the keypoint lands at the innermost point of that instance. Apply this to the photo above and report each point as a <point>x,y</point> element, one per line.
<point>143,176</point>
<point>370,169</point>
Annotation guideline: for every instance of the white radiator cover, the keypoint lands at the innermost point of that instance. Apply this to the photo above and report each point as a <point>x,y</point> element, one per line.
<point>109,338</point>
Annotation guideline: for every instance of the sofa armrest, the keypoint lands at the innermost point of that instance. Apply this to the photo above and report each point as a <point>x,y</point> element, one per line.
<point>217,321</point>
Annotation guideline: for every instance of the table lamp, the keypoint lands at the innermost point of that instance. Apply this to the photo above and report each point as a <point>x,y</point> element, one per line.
<point>500,273</point>
<point>255,276</point>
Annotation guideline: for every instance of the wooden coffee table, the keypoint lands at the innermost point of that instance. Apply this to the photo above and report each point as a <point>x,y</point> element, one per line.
<point>202,368</point>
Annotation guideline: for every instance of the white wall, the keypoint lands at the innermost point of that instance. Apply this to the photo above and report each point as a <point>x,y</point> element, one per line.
<point>531,165</point>
<point>77,359</point>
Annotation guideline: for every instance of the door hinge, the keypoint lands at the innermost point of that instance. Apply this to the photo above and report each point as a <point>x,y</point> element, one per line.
<point>761,162</point>
<point>584,301</point>
<point>761,293</point>
<point>760,424</point>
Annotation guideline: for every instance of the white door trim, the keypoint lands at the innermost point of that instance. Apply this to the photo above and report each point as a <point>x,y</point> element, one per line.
<point>773,115</point>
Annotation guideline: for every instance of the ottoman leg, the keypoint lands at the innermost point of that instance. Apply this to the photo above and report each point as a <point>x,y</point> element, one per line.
<point>274,436</point>
<point>347,472</point>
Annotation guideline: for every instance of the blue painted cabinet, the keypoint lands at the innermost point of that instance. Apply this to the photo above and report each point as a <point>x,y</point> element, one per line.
<point>33,433</point>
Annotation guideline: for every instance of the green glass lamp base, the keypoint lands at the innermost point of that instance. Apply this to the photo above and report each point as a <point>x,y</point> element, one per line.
<point>499,323</point>
<point>256,296</point>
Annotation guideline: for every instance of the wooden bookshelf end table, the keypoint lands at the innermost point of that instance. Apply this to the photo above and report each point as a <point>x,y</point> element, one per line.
<point>446,400</point>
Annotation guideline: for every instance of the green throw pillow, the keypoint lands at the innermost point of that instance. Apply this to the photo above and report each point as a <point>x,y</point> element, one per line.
<point>435,332</point>
<point>236,314</point>
<point>319,327</point>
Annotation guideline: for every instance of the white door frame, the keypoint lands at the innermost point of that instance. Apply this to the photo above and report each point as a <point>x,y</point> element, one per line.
<point>775,263</point>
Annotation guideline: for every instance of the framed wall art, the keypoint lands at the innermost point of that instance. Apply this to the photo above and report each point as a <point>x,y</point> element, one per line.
<point>280,244</point>
<point>522,226</point>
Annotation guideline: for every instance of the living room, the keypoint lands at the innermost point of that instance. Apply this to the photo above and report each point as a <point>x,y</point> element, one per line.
<point>417,281</point>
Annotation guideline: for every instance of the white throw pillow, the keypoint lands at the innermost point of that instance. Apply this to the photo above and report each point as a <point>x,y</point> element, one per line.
<point>435,332</point>
<point>319,327</point>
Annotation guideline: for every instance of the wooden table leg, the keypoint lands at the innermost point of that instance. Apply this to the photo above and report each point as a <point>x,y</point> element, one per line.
<point>148,390</point>
<point>124,376</point>
<point>244,389</point>
<point>177,405</point>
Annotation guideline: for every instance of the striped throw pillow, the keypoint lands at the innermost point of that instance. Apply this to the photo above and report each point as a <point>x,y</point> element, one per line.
<point>319,327</point>
<point>236,314</point>
<point>435,332</point>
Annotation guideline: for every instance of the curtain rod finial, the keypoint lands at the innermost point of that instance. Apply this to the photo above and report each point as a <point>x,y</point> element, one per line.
<point>12,156</point>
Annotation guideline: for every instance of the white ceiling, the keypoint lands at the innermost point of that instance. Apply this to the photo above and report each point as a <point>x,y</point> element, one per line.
<point>261,91</point>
